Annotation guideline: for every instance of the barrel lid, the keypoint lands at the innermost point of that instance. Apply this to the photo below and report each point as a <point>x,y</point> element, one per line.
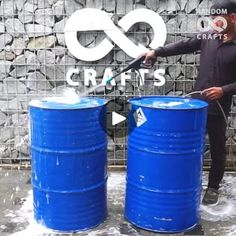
<point>168,102</point>
<point>68,103</point>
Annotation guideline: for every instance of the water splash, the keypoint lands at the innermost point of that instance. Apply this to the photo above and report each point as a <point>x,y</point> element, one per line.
<point>86,92</point>
<point>69,96</point>
<point>90,90</point>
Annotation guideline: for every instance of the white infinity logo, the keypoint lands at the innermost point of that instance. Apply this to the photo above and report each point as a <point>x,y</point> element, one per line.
<point>212,23</point>
<point>90,19</point>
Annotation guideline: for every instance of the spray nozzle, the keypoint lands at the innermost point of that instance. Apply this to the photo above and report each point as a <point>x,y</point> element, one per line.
<point>109,79</point>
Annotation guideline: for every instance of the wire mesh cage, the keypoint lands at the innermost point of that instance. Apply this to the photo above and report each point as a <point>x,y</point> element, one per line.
<point>34,63</point>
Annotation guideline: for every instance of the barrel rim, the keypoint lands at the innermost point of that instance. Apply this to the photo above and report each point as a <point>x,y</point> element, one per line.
<point>202,104</point>
<point>38,103</point>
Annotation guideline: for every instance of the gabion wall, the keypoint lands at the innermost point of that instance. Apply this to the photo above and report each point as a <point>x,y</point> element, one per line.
<point>34,61</point>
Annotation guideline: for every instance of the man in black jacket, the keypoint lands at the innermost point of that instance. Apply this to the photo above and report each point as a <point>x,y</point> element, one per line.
<point>216,80</point>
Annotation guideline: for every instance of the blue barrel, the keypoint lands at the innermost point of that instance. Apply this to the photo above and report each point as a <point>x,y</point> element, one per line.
<point>164,166</point>
<point>69,162</point>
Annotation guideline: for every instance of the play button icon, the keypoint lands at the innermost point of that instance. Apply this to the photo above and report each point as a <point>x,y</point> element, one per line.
<point>117,118</point>
<point>115,123</point>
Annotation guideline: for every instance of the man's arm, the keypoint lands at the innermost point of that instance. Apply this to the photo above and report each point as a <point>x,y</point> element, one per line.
<point>215,93</point>
<point>181,47</point>
<point>229,89</point>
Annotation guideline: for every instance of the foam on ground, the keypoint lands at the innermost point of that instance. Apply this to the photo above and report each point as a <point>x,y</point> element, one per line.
<point>224,211</point>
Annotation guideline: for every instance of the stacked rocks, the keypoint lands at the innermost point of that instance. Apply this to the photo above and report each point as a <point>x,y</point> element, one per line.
<point>34,59</point>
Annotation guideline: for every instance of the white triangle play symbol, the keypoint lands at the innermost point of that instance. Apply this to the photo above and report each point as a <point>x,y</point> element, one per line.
<point>117,118</point>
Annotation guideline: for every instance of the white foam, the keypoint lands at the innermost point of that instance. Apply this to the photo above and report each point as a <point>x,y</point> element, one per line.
<point>231,231</point>
<point>225,209</point>
<point>62,100</point>
<point>116,188</point>
<point>70,93</point>
<point>158,104</point>
<point>69,96</point>
<point>25,214</point>
<point>222,211</point>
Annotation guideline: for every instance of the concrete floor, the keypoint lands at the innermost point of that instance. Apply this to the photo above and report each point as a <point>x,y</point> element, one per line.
<point>16,216</point>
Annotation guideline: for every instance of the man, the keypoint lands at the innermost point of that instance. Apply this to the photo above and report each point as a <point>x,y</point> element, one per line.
<point>216,80</point>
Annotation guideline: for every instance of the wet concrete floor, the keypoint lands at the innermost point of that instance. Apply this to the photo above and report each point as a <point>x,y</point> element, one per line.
<point>16,214</point>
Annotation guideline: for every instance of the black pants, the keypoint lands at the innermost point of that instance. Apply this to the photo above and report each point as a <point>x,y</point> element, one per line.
<point>216,128</point>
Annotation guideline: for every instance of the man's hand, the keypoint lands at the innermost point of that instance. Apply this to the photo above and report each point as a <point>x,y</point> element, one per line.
<point>149,56</point>
<point>213,93</point>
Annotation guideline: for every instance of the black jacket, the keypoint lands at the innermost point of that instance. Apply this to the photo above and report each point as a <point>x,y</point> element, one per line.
<point>217,65</point>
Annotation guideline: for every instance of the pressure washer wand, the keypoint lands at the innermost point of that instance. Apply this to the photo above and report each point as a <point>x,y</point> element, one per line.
<point>136,64</point>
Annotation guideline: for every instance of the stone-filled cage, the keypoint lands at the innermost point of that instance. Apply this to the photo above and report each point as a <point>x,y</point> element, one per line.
<point>34,62</point>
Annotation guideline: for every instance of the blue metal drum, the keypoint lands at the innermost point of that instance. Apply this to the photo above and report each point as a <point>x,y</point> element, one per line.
<point>164,166</point>
<point>69,162</point>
